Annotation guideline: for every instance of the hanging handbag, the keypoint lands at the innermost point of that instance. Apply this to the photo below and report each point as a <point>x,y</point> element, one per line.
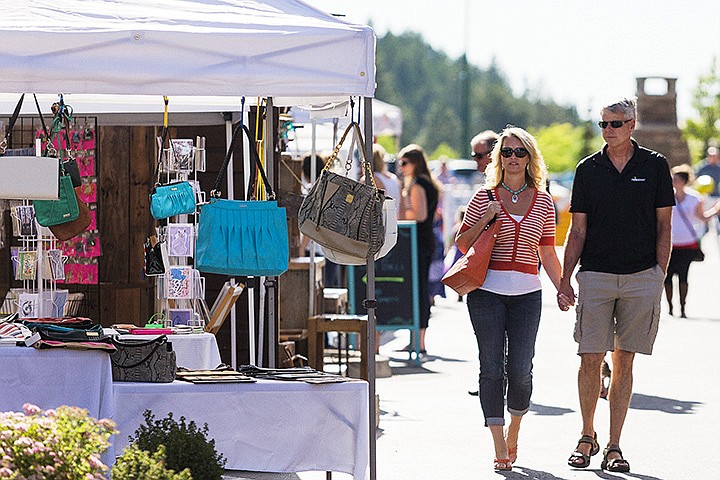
<point>235,237</point>
<point>64,209</point>
<point>67,230</point>
<point>342,214</point>
<point>27,177</point>
<point>154,263</point>
<point>468,273</point>
<point>143,360</point>
<point>391,232</point>
<point>177,198</point>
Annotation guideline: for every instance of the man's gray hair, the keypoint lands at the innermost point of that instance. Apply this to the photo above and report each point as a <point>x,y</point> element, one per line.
<point>626,106</point>
<point>488,137</point>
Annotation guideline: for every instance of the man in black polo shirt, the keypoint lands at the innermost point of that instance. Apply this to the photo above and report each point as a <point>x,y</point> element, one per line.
<point>621,209</point>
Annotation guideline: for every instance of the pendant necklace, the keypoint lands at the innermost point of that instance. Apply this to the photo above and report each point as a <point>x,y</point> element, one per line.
<point>514,193</point>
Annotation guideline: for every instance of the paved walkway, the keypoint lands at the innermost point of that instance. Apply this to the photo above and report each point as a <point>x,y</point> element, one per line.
<point>430,427</point>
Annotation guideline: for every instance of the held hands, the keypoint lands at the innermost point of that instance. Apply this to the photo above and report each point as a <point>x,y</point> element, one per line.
<point>565,297</point>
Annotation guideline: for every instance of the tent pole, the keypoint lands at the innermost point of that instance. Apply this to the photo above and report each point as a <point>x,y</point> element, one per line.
<point>370,301</point>
<point>311,242</point>
<point>229,176</point>
<point>271,282</point>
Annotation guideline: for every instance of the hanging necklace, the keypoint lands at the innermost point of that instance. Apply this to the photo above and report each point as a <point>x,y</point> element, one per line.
<point>514,193</point>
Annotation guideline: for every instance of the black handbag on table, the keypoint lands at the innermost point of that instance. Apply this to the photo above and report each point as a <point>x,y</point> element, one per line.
<point>150,361</point>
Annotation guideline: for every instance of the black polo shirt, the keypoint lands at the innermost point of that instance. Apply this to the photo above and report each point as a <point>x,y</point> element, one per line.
<point>620,206</point>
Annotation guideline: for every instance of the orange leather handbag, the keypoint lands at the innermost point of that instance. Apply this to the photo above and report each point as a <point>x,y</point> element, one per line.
<point>468,273</point>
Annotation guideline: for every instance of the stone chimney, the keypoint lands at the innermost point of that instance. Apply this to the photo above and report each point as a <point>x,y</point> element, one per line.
<point>657,122</point>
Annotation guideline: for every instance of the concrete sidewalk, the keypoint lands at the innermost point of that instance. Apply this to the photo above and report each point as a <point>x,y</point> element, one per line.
<point>430,428</point>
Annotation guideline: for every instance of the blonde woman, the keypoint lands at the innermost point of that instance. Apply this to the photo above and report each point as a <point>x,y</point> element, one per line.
<point>505,311</point>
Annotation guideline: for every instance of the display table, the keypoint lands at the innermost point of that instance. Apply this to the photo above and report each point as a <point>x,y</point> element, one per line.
<point>53,377</point>
<point>196,351</point>
<point>268,426</point>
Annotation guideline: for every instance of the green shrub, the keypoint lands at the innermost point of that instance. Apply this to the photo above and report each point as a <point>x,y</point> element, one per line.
<point>135,463</point>
<point>186,446</point>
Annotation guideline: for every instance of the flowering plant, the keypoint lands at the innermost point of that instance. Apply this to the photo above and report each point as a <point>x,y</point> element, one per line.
<point>63,444</point>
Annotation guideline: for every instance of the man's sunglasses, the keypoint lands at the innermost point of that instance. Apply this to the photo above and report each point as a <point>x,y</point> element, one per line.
<point>519,152</point>
<point>613,123</point>
<point>481,155</point>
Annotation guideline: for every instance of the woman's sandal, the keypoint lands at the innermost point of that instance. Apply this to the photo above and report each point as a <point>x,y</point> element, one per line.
<point>512,454</point>
<point>502,465</point>
<point>580,460</point>
<point>618,465</point>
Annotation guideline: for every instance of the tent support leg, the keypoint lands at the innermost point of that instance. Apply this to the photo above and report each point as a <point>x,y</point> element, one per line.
<point>370,299</point>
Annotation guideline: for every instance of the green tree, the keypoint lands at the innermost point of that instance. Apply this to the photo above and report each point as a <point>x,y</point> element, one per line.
<point>429,88</point>
<point>444,150</point>
<point>706,101</point>
<point>564,145</point>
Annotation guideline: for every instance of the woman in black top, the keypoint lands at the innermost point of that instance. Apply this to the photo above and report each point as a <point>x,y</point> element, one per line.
<point>419,202</point>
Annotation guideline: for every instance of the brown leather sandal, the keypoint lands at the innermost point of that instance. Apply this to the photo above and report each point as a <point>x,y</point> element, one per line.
<point>619,465</point>
<point>580,460</point>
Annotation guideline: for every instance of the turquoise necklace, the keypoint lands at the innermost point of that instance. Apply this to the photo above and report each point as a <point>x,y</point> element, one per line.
<point>514,193</point>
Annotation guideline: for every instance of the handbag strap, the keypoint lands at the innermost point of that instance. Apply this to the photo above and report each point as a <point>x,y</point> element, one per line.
<point>237,133</point>
<point>158,341</point>
<point>61,123</point>
<point>357,137</point>
<point>490,199</point>
<point>13,119</point>
<point>165,136</point>
<point>687,222</point>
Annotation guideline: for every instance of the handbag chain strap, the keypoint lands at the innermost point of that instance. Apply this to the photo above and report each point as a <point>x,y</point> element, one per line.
<point>357,137</point>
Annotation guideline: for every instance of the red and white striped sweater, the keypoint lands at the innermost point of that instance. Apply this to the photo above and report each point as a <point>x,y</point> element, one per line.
<point>517,243</point>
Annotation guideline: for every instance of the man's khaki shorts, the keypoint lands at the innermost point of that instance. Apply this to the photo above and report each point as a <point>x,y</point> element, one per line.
<point>618,311</point>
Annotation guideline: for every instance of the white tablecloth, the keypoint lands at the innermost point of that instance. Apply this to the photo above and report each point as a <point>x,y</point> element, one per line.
<point>197,351</point>
<point>270,426</point>
<point>53,377</point>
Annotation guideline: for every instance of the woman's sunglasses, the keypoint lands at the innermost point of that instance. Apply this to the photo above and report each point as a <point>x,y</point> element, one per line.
<point>519,152</point>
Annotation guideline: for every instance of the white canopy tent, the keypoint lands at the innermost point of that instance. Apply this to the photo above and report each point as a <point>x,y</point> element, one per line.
<point>277,49</point>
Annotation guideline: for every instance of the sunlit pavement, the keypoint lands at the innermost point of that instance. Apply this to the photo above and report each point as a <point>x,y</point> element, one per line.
<point>430,428</point>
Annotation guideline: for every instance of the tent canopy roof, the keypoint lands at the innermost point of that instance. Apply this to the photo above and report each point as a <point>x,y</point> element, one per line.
<point>183,47</point>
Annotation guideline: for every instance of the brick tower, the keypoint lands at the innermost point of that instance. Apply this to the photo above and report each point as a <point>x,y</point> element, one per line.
<point>657,122</point>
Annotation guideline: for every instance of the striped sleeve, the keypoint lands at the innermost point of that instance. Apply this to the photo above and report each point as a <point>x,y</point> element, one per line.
<point>476,208</point>
<point>548,232</point>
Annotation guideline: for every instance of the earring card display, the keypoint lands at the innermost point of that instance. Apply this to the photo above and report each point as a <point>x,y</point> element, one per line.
<point>81,253</point>
<point>23,221</point>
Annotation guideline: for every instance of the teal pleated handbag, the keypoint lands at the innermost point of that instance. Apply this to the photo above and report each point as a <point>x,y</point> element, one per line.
<point>244,238</point>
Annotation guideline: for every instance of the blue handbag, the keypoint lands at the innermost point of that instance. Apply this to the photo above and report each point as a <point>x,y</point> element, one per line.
<point>172,199</point>
<point>177,198</point>
<point>245,238</point>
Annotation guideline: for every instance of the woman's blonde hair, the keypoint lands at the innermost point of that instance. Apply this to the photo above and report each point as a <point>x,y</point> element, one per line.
<point>685,172</point>
<point>536,172</point>
<point>378,157</point>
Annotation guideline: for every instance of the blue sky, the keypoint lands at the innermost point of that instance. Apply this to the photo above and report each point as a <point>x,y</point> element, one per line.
<point>577,52</point>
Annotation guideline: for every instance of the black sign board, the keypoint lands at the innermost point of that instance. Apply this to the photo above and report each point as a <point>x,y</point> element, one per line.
<point>396,284</point>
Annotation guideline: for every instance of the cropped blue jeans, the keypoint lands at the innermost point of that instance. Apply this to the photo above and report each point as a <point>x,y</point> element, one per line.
<point>505,327</point>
